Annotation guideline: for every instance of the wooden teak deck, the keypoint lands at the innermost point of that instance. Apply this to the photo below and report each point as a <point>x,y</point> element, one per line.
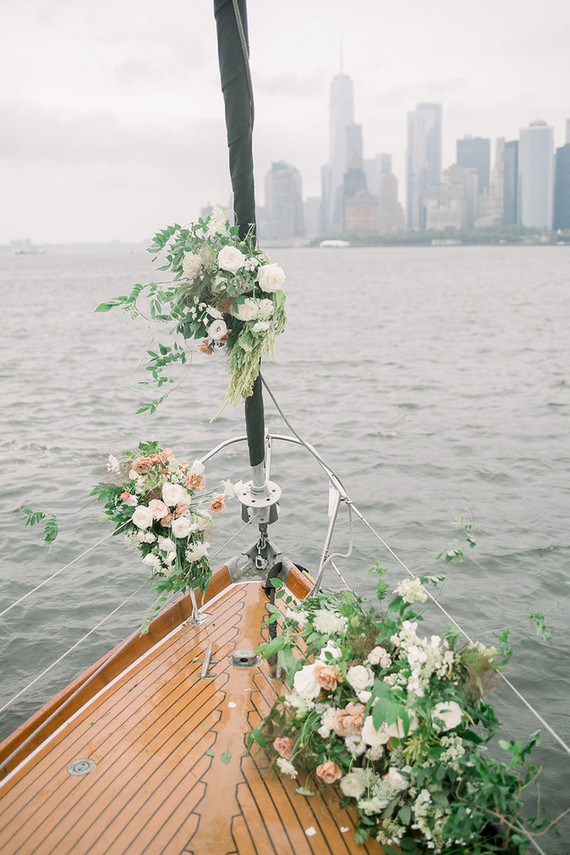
<point>171,774</point>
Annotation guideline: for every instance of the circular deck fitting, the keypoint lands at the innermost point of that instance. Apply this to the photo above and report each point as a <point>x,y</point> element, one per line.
<point>264,499</point>
<point>81,767</point>
<point>244,659</point>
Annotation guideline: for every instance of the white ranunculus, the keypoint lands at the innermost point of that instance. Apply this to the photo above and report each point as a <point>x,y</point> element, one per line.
<point>270,277</point>
<point>265,309</point>
<point>132,502</point>
<point>174,494</point>
<point>142,517</point>
<point>181,527</point>
<point>356,783</point>
<point>191,265</point>
<point>376,655</point>
<point>355,744</point>
<point>166,544</point>
<point>304,681</point>
<point>364,696</point>
<point>149,559</point>
<point>149,537</point>
<point>158,509</point>
<point>261,326</point>
<point>230,259</point>
<point>359,677</point>
<point>449,712</point>
<point>217,330</point>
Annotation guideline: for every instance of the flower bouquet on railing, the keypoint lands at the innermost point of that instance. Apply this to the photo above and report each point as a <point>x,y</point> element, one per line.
<point>165,512</point>
<point>224,293</point>
<point>396,721</point>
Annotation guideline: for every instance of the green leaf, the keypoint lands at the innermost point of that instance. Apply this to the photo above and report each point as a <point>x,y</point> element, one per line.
<point>105,307</point>
<point>51,529</point>
<point>226,756</point>
<point>405,814</point>
<point>210,753</point>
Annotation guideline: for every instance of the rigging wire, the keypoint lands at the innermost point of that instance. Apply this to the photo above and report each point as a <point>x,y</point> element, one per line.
<point>67,652</point>
<point>57,572</point>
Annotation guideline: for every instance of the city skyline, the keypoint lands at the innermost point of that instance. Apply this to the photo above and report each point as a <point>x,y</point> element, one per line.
<point>116,128</point>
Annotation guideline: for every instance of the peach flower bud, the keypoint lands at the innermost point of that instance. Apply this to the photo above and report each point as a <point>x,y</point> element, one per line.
<point>284,746</point>
<point>168,453</point>
<point>204,347</point>
<point>125,496</point>
<point>329,772</point>
<point>181,509</point>
<point>327,677</point>
<point>167,520</point>
<point>217,504</point>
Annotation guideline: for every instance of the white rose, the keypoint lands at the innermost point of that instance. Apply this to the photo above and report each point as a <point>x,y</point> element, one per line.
<point>261,326</point>
<point>397,730</point>
<point>191,265</point>
<point>364,696</point>
<point>132,502</point>
<point>374,737</point>
<point>270,277</point>
<point>304,681</point>
<point>174,494</point>
<point>142,517</point>
<point>398,781</point>
<point>355,744</point>
<point>181,527</point>
<point>449,712</point>
<point>217,330</point>
<point>166,544</point>
<point>247,310</point>
<point>230,259</point>
<point>331,648</point>
<point>149,537</point>
<point>149,559</point>
<point>359,677</point>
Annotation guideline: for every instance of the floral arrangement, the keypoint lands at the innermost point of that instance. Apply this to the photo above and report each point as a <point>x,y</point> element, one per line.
<point>165,512</point>
<point>225,293</point>
<point>396,721</point>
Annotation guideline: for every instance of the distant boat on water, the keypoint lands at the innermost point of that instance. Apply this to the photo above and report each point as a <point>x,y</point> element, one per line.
<point>335,243</point>
<point>26,247</point>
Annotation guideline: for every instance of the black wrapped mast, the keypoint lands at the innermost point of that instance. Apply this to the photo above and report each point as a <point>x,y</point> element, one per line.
<point>233,54</point>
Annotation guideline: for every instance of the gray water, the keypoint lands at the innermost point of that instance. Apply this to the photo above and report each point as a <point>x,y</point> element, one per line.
<point>436,381</point>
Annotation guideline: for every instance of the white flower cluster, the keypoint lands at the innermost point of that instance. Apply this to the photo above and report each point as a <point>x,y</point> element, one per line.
<point>424,656</point>
<point>329,622</point>
<point>411,591</point>
<point>454,749</point>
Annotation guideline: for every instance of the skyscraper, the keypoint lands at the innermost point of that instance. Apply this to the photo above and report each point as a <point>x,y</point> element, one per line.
<point>345,147</point>
<point>423,159</point>
<point>536,179</point>
<point>562,188</point>
<point>475,153</point>
<point>283,203</point>
<point>511,184</point>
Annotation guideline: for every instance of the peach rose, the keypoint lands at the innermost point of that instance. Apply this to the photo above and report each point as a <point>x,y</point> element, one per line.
<point>167,520</point>
<point>348,722</point>
<point>168,453</point>
<point>158,508</point>
<point>217,505</point>
<point>204,347</point>
<point>327,677</point>
<point>284,746</point>
<point>141,465</point>
<point>125,496</point>
<point>181,509</point>
<point>157,458</point>
<point>329,772</point>
<point>196,481</point>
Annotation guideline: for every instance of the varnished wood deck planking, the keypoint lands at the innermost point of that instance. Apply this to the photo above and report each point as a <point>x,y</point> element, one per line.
<point>155,789</point>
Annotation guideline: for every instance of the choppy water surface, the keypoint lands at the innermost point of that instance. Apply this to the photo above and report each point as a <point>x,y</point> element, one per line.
<point>436,381</point>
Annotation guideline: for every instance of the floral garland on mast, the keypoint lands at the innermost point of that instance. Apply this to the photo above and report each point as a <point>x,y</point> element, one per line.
<point>225,292</point>
<point>165,512</point>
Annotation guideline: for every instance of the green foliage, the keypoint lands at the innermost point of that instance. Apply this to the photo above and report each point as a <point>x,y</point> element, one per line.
<point>32,518</point>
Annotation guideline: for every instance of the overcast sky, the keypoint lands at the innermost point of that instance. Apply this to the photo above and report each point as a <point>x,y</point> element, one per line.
<point>111,116</point>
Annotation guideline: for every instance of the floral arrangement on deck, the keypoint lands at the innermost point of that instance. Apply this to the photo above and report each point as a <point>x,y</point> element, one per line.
<point>397,721</point>
<point>225,293</point>
<point>165,512</point>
